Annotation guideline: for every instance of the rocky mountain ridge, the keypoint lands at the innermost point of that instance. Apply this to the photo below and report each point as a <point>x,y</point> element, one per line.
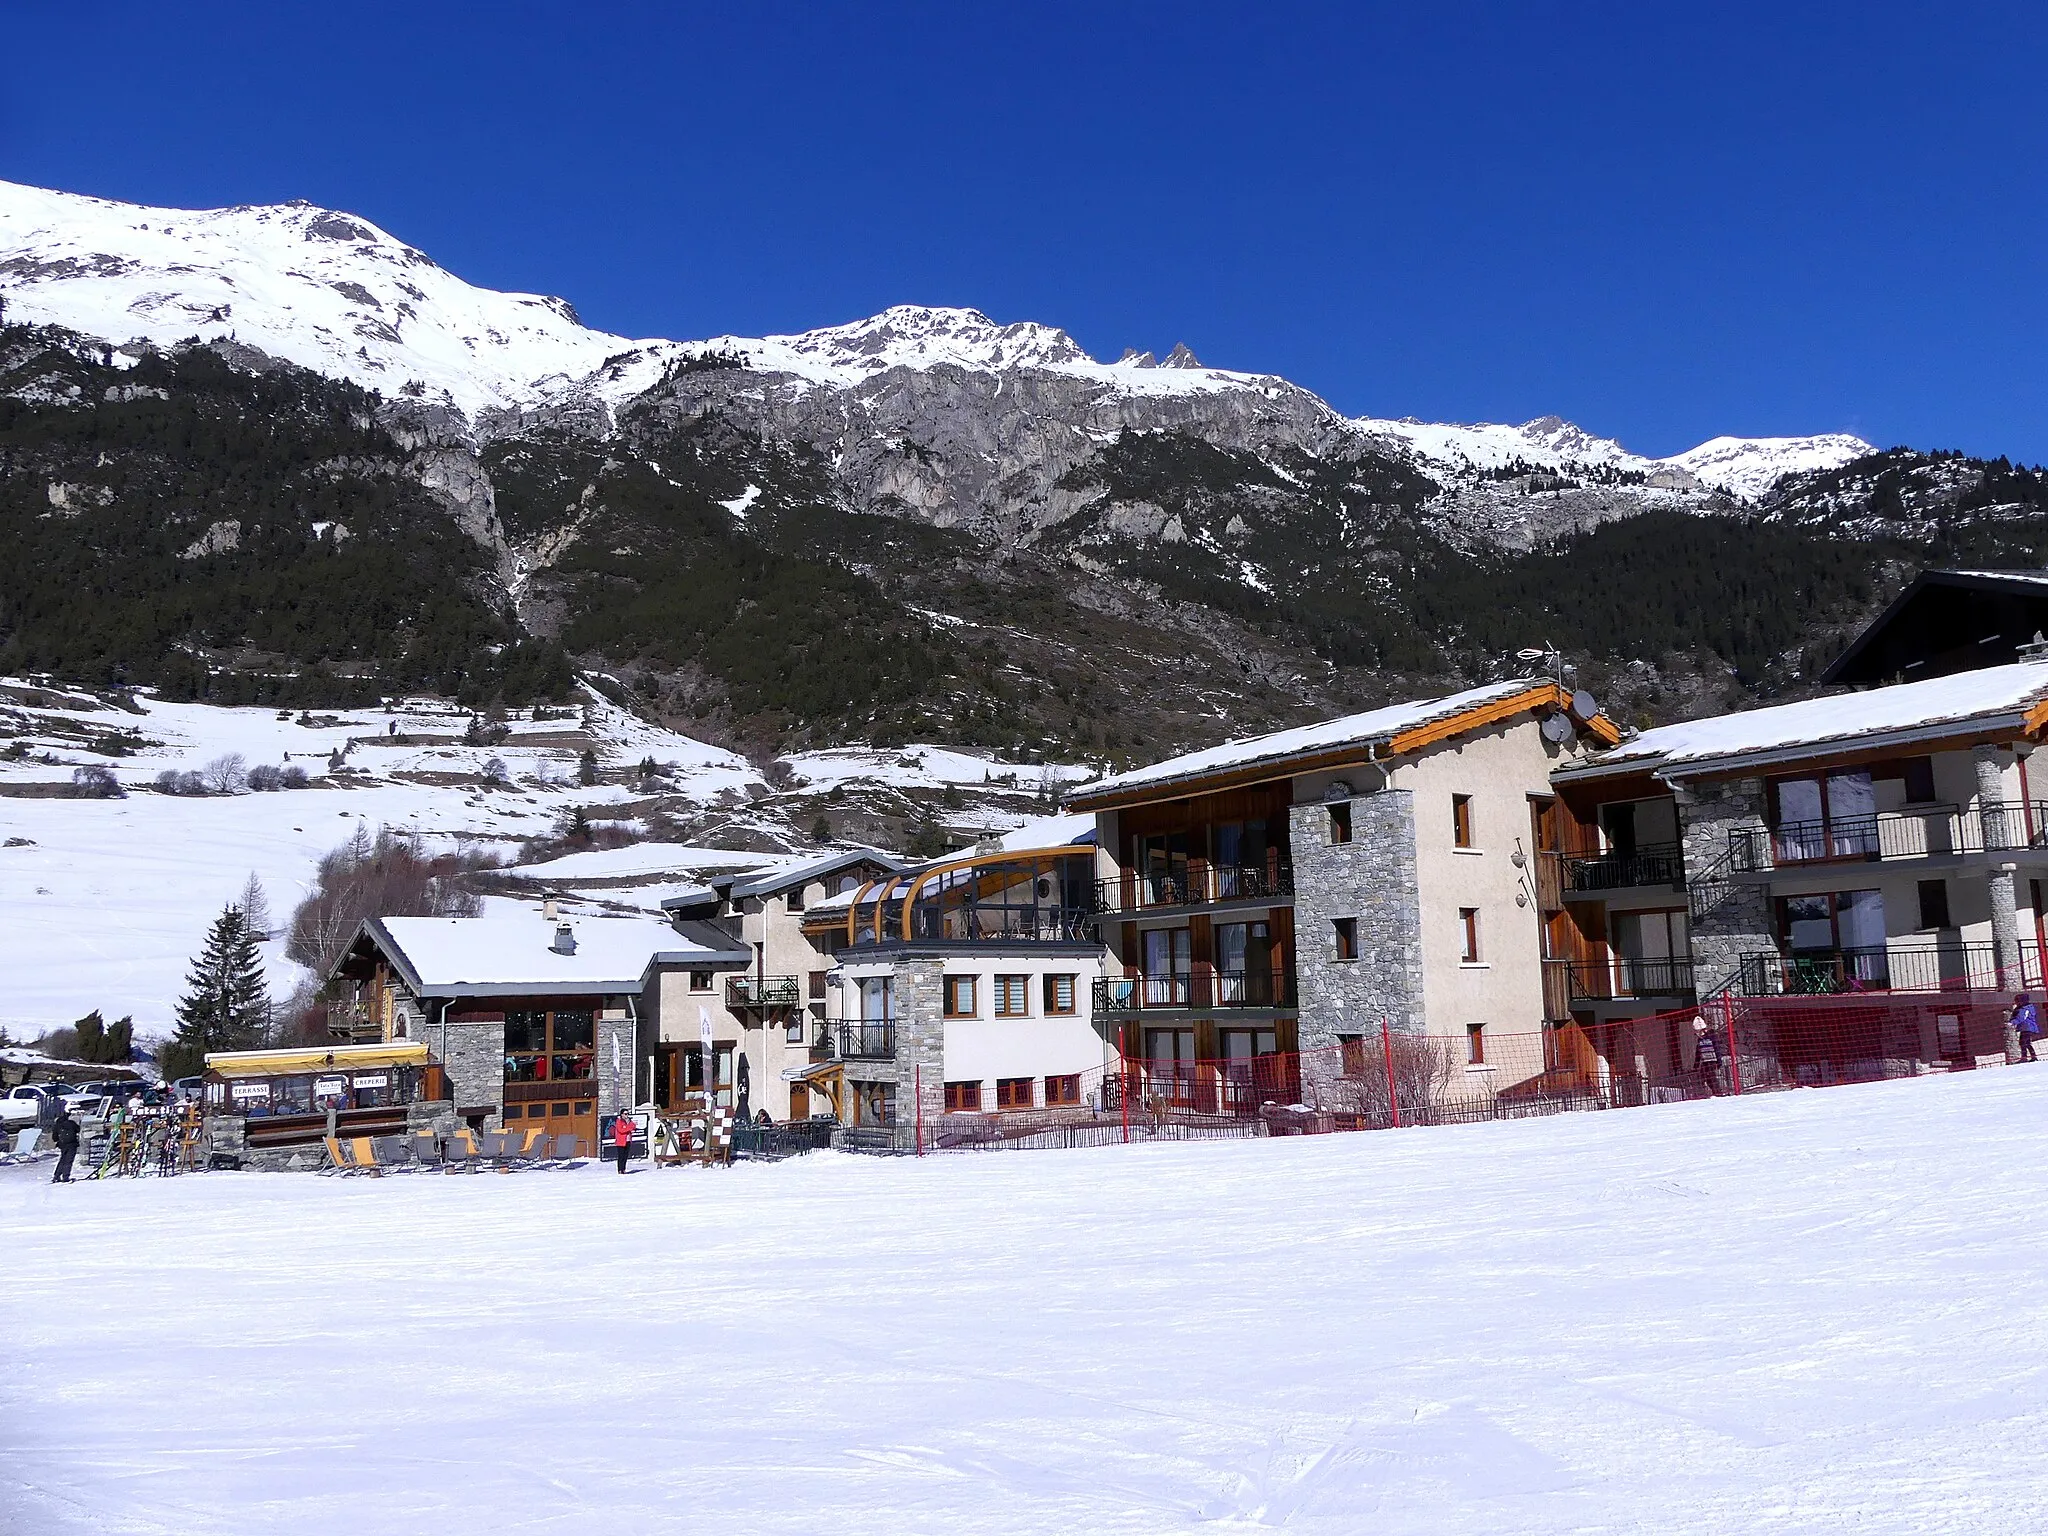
<point>938,414</point>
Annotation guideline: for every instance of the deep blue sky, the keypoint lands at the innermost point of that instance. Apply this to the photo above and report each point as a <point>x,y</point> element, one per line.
<point>1664,222</point>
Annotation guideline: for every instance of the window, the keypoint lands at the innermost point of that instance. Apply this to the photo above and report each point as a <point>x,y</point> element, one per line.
<point>817,986</point>
<point>793,1033</point>
<point>960,1002</point>
<point>700,981</point>
<point>1834,941</point>
<point>1013,1093</point>
<point>1013,997</point>
<point>1475,1044</point>
<point>1351,1055</point>
<point>1468,933</point>
<point>1244,963</point>
<point>962,1098</point>
<point>1830,816</point>
<point>1063,1090</point>
<point>1347,937</point>
<point>1652,953</point>
<point>1461,821</point>
<point>549,1047</point>
<point>1340,821</point>
<point>1059,996</point>
<point>794,901</point>
<point>1934,904</point>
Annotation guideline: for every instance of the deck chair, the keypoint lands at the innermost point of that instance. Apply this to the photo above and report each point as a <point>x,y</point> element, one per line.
<point>536,1148</point>
<point>394,1153</point>
<point>567,1149</point>
<point>460,1155</point>
<point>363,1149</point>
<point>339,1158</point>
<point>27,1143</point>
<point>426,1150</point>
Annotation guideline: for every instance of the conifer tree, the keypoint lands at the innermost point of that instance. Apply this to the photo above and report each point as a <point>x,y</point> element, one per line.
<point>226,1003</point>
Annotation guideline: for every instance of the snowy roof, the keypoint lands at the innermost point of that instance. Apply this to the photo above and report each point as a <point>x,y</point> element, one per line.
<point>513,953</point>
<point>1991,696</point>
<point>804,871</point>
<point>1374,727</point>
<point>1061,831</point>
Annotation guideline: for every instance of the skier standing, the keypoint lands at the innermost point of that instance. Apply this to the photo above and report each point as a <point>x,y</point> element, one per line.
<point>65,1133</point>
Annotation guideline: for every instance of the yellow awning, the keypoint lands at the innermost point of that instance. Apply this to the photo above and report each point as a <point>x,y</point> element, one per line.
<point>337,1058</point>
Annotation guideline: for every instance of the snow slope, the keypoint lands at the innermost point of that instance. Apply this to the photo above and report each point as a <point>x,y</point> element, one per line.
<point>1750,466</point>
<point>1767,1316</point>
<point>106,900</point>
<point>334,293</point>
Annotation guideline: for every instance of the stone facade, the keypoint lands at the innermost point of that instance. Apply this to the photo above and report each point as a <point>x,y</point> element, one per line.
<point>472,1054</point>
<point>1371,878</point>
<point>1729,918</point>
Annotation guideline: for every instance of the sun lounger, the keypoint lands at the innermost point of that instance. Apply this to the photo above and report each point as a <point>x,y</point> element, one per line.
<point>567,1149</point>
<point>339,1158</point>
<point>363,1151</point>
<point>426,1150</point>
<point>533,1149</point>
<point>460,1155</point>
<point>393,1153</point>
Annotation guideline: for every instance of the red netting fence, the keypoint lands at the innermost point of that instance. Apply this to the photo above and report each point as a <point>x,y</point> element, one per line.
<point>1388,1079</point>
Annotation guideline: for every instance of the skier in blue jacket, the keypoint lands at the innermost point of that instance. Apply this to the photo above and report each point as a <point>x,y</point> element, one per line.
<point>2026,1023</point>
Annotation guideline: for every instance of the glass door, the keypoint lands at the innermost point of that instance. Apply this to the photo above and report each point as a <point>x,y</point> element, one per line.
<point>1169,957</point>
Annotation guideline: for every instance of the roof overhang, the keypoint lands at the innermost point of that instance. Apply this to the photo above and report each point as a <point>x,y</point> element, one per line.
<point>1366,750</point>
<point>2004,725</point>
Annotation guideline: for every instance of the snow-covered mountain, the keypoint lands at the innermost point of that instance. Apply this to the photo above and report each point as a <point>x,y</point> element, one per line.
<point>332,292</point>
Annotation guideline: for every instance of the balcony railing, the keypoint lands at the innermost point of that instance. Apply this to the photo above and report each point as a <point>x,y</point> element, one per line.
<point>1621,979</point>
<point>1199,991</point>
<point>1660,864</point>
<point>763,991</point>
<point>1136,891</point>
<point>1921,833</point>
<point>1921,968</point>
<point>858,1039</point>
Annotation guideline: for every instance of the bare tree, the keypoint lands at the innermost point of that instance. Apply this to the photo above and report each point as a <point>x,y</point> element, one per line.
<point>381,876</point>
<point>226,774</point>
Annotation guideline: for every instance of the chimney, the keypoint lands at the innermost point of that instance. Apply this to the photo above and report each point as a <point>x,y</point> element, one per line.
<point>565,940</point>
<point>548,911</point>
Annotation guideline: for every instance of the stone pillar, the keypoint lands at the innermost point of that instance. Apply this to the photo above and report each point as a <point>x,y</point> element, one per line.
<point>1728,918</point>
<point>1372,879</point>
<point>920,1064</point>
<point>616,1087</point>
<point>1991,812</point>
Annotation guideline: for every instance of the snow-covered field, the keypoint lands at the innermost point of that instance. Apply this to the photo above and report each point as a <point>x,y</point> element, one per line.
<point>1791,1313</point>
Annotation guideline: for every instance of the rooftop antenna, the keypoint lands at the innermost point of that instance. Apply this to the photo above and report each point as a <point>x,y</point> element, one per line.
<point>1545,659</point>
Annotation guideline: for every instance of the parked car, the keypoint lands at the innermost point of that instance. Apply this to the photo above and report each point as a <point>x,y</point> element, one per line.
<point>28,1104</point>
<point>186,1089</point>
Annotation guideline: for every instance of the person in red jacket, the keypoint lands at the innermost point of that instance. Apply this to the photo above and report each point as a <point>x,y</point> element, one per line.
<point>622,1138</point>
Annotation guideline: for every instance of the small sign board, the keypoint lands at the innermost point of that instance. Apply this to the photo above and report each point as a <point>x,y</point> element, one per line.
<point>372,1079</point>
<point>246,1091</point>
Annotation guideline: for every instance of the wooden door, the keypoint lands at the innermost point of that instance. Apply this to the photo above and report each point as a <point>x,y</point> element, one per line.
<point>799,1102</point>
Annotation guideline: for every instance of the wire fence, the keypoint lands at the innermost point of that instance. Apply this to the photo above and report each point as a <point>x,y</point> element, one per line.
<point>1388,1079</point>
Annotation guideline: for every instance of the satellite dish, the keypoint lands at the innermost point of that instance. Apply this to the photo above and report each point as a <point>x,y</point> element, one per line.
<point>1584,705</point>
<point>1557,729</point>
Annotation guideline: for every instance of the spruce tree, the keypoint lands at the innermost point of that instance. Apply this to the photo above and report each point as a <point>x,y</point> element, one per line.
<point>226,1003</point>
